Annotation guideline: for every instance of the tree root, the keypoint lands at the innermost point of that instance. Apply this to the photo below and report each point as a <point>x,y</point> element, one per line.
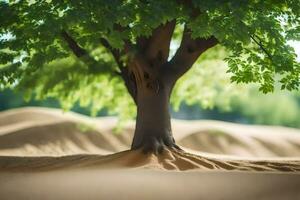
<point>156,144</point>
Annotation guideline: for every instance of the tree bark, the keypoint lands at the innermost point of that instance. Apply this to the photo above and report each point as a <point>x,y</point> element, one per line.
<point>153,130</point>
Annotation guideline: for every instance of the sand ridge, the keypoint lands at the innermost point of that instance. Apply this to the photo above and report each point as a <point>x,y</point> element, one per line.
<point>169,160</point>
<point>50,132</point>
<point>43,139</point>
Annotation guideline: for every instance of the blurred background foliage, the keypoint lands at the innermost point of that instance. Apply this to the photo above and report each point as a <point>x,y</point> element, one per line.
<point>205,92</point>
<point>279,108</point>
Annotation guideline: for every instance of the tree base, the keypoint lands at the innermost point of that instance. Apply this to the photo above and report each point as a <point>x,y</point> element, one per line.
<point>155,144</point>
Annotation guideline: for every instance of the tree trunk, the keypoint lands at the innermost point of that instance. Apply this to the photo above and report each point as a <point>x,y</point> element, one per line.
<point>153,125</point>
<point>149,78</point>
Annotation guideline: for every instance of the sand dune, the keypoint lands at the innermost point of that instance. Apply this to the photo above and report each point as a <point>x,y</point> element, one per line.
<point>58,138</point>
<point>42,139</point>
<point>52,150</point>
<point>50,132</point>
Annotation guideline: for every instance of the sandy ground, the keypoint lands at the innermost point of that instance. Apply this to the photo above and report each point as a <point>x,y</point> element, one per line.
<point>45,154</point>
<point>114,185</point>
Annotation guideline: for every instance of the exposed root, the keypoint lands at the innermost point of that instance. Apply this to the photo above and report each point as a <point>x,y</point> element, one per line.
<point>156,145</point>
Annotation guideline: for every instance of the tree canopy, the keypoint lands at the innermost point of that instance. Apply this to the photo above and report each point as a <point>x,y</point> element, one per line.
<point>68,49</point>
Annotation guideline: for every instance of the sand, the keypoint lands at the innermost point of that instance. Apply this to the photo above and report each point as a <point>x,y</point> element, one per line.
<point>48,154</point>
<point>117,184</point>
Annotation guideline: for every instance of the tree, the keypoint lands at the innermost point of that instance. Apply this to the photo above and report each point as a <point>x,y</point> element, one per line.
<point>129,40</point>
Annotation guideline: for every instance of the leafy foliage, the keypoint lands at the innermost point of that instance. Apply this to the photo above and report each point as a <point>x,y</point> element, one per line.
<point>207,83</point>
<point>67,81</point>
<point>34,56</point>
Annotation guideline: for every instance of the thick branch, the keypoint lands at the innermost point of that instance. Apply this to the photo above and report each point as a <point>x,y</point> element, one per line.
<point>92,63</point>
<point>77,50</point>
<point>124,72</point>
<point>156,48</point>
<point>82,54</point>
<point>130,83</point>
<point>114,52</point>
<point>188,52</point>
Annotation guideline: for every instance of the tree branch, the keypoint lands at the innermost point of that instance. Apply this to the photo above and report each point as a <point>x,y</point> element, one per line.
<point>261,46</point>
<point>77,50</point>
<point>258,42</point>
<point>129,83</point>
<point>188,52</point>
<point>82,54</point>
<point>156,48</point>
<point>124,72</point>
<point>92,63</point>
<point>114,52</point>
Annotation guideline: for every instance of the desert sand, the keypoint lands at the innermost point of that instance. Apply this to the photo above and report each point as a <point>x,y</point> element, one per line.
<point>48,154</point>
